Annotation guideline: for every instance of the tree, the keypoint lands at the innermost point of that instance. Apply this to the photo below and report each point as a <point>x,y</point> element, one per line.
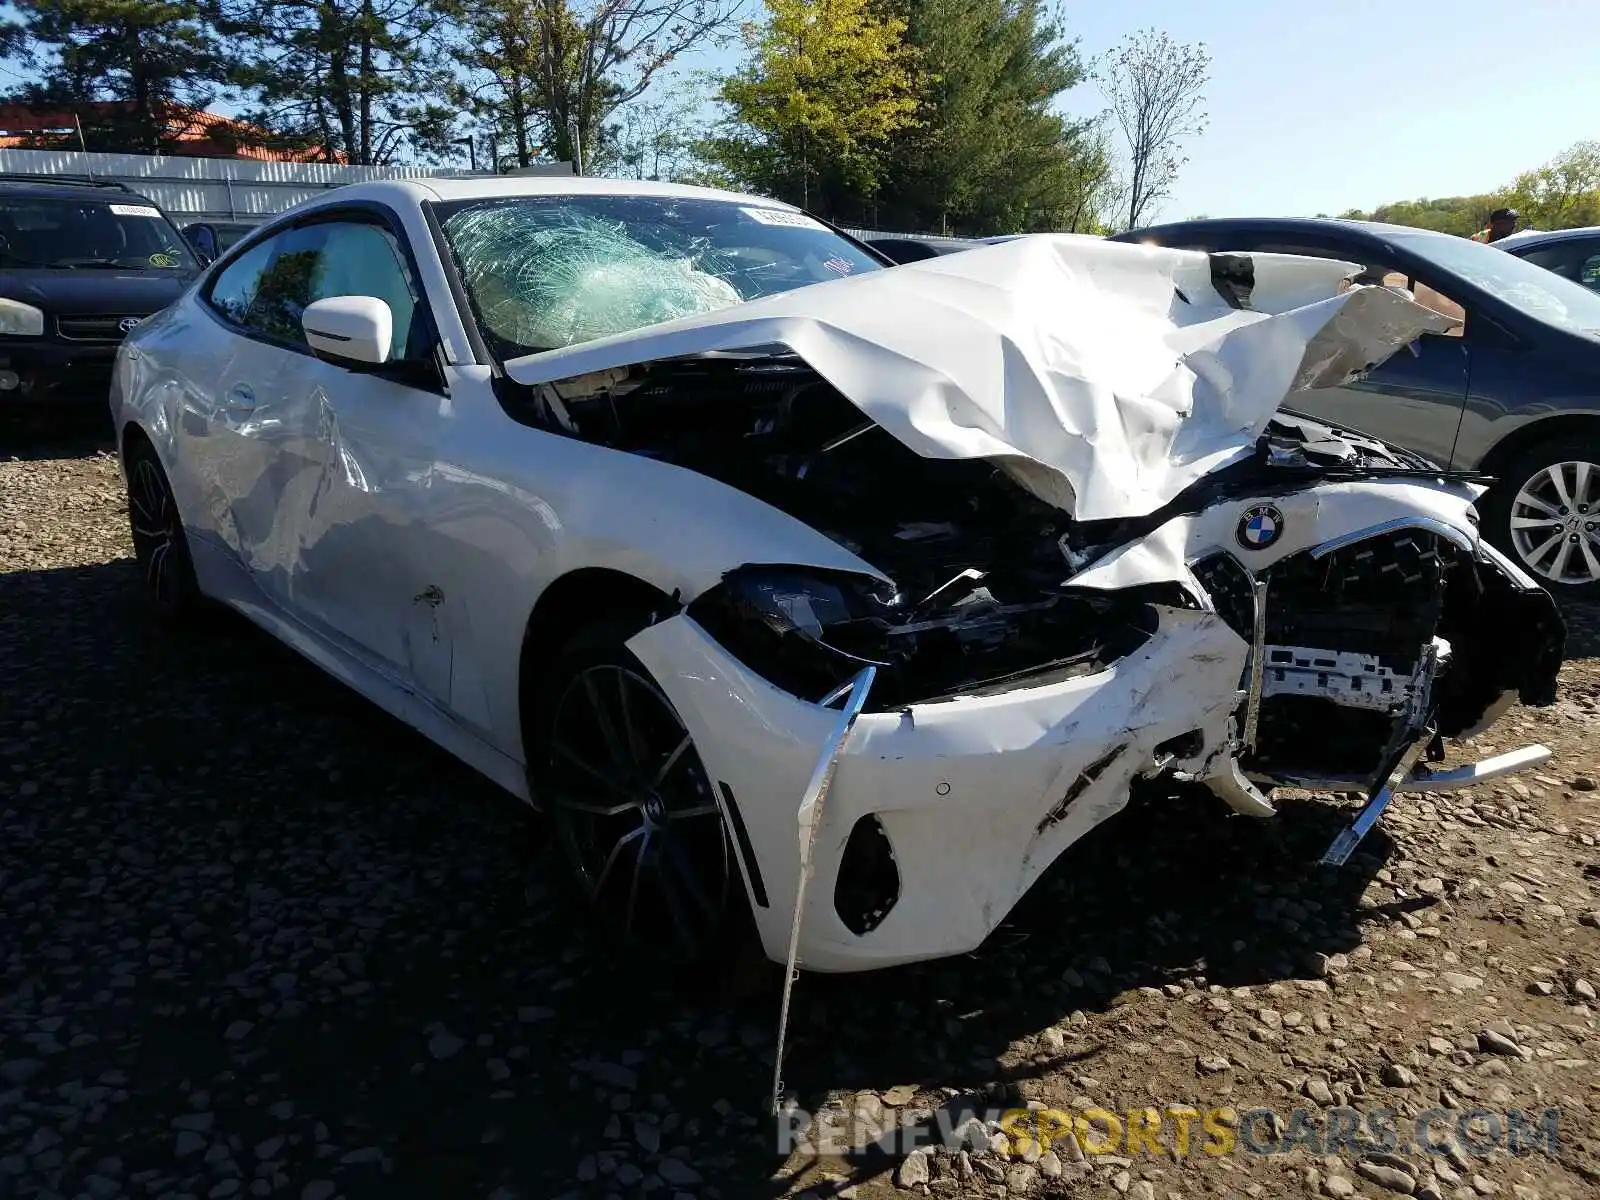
<point>825,84</point>
<point>1155,87</point>
<point>654,138</point>
<point>1562,194</point>
<point>554,72</point>
<point>499,47</point>
<point>148,56</point>
<point>356,78</point>
<point>989,155</point>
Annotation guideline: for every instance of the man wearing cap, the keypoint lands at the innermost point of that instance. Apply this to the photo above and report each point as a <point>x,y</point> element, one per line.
<point>1502,223</point>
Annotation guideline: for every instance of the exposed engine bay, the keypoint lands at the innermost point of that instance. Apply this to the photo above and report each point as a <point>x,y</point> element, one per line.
<point>1398,632</point>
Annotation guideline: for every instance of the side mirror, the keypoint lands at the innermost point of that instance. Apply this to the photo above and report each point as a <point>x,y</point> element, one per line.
<point>204,240</point>
<point>349,330</point>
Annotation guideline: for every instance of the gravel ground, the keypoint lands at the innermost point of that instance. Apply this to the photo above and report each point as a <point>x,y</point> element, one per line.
<point>258,939</point>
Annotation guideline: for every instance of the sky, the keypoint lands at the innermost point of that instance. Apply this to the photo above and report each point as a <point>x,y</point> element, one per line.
<point>1322,107</point>
<point>1318,108</point>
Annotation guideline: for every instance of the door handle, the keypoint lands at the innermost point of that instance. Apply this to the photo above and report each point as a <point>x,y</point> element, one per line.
<point>240,395</point>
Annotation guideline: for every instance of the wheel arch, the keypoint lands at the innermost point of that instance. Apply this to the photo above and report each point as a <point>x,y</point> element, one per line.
<point>578,598</point>
<point>1546,429</point>
<point>131,434</point>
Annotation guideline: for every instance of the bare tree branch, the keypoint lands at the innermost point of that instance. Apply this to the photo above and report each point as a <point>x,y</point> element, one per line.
<point>1155,86</point>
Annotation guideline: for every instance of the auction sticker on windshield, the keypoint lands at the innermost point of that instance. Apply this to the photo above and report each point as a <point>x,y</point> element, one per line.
<point>135,210</point>
<point>779,216</point>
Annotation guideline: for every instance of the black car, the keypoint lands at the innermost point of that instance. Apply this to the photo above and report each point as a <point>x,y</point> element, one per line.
<point>1513,391</point>
<point>1571,253</point>
<point>81,263</point>
<point>213,238</point>
<point>908,249</point>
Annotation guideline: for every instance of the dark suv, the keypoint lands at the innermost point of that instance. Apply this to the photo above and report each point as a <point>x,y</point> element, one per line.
<point>81,263</point>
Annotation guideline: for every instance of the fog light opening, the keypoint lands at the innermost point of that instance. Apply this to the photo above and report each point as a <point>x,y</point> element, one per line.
<point>868,886</point>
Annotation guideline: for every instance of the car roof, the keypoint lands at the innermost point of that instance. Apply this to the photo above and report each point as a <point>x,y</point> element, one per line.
<point>489,187</point>
<point>1544,237</point>
<point>46,190</point>
<point>1376,229</point>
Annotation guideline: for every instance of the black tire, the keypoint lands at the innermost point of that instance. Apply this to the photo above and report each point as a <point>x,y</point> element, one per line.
<point>632,806</point>
<point>160,545</point>
<point>1545,514</point>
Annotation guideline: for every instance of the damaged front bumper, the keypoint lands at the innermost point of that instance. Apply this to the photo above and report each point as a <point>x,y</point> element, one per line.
<point>940,815</point>
<point>1337,665</point>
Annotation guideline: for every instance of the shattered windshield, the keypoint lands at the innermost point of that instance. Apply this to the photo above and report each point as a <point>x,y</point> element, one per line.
<point>1523,285</point>
<point>52,233</point>
<point>544,272</point>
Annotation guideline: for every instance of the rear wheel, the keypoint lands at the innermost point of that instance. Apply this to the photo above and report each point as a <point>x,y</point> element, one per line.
<point>159,543</point>
<point>633,807</point>
<point>1546,514</point>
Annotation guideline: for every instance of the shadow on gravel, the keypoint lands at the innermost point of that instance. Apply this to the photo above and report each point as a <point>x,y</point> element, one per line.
<point>32,437</point>
<point>1583,628</point>
<point>248,885</point>
<point>1174,889</point>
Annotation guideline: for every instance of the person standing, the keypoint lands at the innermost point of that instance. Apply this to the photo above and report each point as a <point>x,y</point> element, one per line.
<point>1502,223</point>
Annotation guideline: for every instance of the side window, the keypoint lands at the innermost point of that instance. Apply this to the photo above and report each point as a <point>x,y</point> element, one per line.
<point>1577,260</point>
<point>364,260</point>
<point>285,287</point>
<point>234,289</point>
<point>268,289</point>
<point>1385,276</point>
<point>1430,297</point>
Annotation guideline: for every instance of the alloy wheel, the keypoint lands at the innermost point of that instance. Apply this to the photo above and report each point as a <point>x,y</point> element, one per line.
<point>636,813</point>
<point>157,531</point>
<point>1555,523</point>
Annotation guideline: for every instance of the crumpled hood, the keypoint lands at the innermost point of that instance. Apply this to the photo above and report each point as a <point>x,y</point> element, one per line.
<point>1105,377</point>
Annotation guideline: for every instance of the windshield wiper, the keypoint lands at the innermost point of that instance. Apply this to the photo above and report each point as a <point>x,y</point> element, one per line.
<point>104,264</point>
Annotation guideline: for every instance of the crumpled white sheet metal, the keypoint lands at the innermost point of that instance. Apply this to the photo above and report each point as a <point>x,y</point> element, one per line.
<point>1116,370</point>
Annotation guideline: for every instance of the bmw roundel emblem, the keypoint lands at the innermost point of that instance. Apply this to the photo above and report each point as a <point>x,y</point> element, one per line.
<point>1260,527</point>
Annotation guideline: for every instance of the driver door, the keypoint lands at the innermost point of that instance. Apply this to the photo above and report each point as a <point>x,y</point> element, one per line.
<point>327,467</point>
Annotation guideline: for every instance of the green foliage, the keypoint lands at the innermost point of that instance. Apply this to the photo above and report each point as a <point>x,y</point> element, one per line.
<point>498,45</point>
<point>552,74</point>
<point>988,154</point>
<point>825,85</point>
<point>147,54</point>
<point>355,77</point>
<point>1562,194</point>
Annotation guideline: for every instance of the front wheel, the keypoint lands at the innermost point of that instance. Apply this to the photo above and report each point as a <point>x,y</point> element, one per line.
<point>633,806</point>
<point>1545,513</point>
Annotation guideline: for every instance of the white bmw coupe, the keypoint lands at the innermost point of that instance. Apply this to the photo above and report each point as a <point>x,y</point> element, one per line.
<point>800,589</point>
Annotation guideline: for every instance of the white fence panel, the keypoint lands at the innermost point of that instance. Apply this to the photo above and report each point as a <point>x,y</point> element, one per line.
<point>193,189</point>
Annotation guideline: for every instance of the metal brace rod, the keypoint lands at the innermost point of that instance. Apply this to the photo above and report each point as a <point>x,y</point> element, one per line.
<point>1345,844</point>
<point>1258,665</point>
<point>809,821</point>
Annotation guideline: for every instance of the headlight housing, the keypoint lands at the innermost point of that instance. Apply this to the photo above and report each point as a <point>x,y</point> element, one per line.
<point>808,631</point>
<point>20,320</point>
